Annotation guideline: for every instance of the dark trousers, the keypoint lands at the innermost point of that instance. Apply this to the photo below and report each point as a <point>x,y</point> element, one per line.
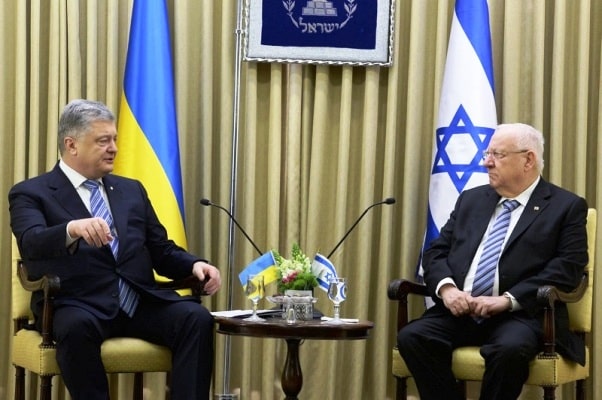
<point>185,327</point>
<point>507,343</point>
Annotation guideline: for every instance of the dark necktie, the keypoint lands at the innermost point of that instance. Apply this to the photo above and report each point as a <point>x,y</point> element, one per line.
<point>128,298</point>
<point>483,280</point>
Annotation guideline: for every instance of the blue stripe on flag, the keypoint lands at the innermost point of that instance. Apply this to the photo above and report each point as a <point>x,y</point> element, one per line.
<point>474,18</point>
<point>466,117</point>
<point>149,88</point>
<point>323,270</point>
<point>264,264</point>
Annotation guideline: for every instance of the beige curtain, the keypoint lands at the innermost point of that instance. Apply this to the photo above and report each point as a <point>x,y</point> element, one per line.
<point>317,145</point>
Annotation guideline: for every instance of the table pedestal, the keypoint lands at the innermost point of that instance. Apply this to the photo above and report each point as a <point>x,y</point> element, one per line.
<point>292,376</point>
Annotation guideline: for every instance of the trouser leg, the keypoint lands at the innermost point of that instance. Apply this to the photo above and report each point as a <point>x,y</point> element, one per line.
<point>186,328</point>
<point>507,353</point>
<point>78,336</point>
<point>426,348</point>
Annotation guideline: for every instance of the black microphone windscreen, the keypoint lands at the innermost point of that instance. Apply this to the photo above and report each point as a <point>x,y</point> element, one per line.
<point>390,200</point>
<point>205,202</point>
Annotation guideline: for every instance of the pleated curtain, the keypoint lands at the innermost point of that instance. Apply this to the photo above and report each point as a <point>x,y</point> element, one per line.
<point>315,145</point>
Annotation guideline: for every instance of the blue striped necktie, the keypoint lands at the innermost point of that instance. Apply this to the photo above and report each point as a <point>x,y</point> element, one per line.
<point>483,280</point>
<point>128,298</point>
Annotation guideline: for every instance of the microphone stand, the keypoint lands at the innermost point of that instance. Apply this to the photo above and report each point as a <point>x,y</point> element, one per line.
<point>226,395</point>
<point>389,200</point>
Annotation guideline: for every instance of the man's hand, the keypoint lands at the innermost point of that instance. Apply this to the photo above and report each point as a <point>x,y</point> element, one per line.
<point>457,301</point>
<point>209,274</point>
<point>488,306</point>
<point>94,231</point>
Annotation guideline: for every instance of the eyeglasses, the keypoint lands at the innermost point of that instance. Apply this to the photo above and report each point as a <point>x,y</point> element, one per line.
<point>498,155</point>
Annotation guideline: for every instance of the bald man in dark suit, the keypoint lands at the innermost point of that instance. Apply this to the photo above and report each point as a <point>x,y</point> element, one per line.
<point>545,244</point>
<point>54,220</point>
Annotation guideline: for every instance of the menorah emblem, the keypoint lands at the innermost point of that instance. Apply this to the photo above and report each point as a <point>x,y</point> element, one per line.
<point>320,8</point>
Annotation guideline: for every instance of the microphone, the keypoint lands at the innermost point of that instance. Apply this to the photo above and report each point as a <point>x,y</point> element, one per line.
<point>207,202</point>
<point>389,200</point>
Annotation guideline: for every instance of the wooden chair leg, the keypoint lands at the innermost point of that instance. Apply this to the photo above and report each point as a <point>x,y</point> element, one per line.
<point>462,387</point>
<point>46,387</point>
<point>19,383</point>
<point>138,386</point>
<point>580,389</point>
<point>401,393</point>
<point>549,392</point>
<point>167,385</point>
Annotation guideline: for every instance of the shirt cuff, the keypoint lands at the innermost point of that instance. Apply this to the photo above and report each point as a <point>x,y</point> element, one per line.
<point>515,304</point>
<point>68,239</point>
<point>444,281</point>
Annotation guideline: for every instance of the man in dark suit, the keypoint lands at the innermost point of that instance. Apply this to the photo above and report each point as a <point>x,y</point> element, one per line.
<point>99,233</point>
<point>542,239</point>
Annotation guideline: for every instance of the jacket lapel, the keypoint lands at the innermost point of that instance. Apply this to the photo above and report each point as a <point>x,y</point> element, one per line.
<point>482,215</point>
<point>540,199</point>
<point>66,195</point>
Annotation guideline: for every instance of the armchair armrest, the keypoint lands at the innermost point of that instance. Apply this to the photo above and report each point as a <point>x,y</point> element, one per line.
<point>190,282</point>
<point>399,289</point>
<point>50,285</point>
<point>548,296</point>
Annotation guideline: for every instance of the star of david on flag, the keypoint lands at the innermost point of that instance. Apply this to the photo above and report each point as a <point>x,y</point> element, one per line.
<point>467,114</point>
<point>324,270</point>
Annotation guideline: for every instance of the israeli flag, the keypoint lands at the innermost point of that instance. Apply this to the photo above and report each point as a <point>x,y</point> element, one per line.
<point>323,270</point>
<point>467,115</point>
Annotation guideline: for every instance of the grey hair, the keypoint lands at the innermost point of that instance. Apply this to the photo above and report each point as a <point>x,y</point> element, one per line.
<point>78,115</point>
<point>528,138</point>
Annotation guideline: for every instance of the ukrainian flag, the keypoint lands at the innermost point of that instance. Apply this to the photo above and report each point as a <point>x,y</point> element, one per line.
<point>264,265</point>
<point>147,129</point>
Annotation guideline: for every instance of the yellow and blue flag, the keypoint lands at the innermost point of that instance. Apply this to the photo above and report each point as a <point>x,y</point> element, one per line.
<point>148,135</point>
<point>263,265</point>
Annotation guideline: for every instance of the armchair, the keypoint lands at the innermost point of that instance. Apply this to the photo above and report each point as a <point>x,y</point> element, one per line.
<point>548,369</point>
<point>35,351</point>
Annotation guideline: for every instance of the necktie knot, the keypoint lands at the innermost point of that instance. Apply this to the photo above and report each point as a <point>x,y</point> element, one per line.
<point>91,185</point>
<point>510,205</point>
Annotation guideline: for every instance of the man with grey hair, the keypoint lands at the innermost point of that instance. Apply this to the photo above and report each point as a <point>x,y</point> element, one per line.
<point>501,243</point>
<point>99,234</point>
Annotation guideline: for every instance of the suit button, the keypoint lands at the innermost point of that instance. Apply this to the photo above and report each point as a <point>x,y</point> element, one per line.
<point>118,270</point>
<point>114,294</point>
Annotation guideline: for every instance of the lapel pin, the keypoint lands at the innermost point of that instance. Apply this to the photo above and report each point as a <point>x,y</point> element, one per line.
<point>536,208</point>
<point>111,187</point>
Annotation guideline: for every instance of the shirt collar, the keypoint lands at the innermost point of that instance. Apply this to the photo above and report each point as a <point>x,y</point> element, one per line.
<point>74,177</point>
<point>524,197</point>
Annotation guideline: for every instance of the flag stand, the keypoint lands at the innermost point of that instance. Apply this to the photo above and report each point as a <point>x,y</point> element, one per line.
<point>225,395</point>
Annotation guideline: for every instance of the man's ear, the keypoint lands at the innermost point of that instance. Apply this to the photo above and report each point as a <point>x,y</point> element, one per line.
<point>70,145</point>
<point>530,163</point>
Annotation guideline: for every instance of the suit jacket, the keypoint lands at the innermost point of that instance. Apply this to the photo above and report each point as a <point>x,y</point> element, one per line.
<point>40,209</point>
<point>548,246</point>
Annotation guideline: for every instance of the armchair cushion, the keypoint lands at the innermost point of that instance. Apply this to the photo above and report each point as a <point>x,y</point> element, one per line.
<point>31,355</point>
<point>125,354</point>
<point>468,365</point>
<point>118,355</point>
